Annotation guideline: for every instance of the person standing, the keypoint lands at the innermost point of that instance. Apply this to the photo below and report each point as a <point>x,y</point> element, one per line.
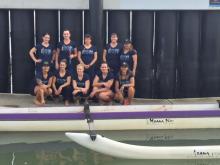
<point>111,54</point>
<point>42,52</point>
<point>87,56</point>
<point>129,56</point>
<point>67,50</point>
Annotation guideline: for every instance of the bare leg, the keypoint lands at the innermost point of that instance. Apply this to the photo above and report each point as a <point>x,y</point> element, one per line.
<point>42,100</point>
<point>119,97</point>
<point>131,92</point>
<point>37,99</point>
<point>106,96</point>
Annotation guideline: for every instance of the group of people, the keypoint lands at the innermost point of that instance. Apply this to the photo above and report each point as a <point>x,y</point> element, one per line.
<point>70,71</point>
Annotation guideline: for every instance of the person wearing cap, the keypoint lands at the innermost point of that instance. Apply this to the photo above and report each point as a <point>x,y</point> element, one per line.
<point>67,50</point>
<point>43,51</point>
<point>62,81</point>
<point>81,84</point>
<point>42,84</point>
<point>102,85</point>
<point>111,54</point>
<point>87,56</point>
<point>129,55</point>
<point>124,85</point>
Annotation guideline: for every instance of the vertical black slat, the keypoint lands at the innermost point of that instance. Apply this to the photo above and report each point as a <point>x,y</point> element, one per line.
<point>165,53</point>
<point>47,21</point>
<point>143,28</point>
<point>22,24</point>
<point>210,55</point>
<point>189,51</point>
<point>4,53</point>
<point>87,30</point>
<point>72,20</point>
<point>86,22</point>
<point>119,22</point>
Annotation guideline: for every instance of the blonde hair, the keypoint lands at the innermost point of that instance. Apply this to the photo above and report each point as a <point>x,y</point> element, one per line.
<point>80,65</point>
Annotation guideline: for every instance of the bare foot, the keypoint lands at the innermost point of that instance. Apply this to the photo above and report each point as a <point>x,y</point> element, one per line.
<point>66,102</point>
<point>37,102</point>
<point>92,94</point>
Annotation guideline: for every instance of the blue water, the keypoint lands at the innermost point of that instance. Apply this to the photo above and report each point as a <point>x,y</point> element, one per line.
<point>55,149</point>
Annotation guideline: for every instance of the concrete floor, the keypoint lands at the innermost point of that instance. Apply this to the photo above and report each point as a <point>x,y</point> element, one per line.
<point>24,100</point>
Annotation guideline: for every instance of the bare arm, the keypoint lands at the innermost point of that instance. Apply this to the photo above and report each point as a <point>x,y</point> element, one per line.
<point>131,84</point>
<point>67,82</point>
<point>134,57</point>
<point>96,82</point>
<point>104,55</point>
<point>57,58</point>
<point>117,86</point>
<point>80,58</point>
<point>53,83</point>
<point>32,55</point>
<point>50,82</point>
<point>94,59</point>
<point>54,56</point>
<point>74,54</point>
<point>109,83</point>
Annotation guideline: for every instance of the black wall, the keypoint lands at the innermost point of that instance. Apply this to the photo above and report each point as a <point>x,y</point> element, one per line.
<point>22,33</point>
<point>178,51</point>
<point>4,52</point>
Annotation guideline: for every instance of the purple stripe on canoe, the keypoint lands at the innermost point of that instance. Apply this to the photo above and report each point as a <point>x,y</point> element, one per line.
<point>112,115</point>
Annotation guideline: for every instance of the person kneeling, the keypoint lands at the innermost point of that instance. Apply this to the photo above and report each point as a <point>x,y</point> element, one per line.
<point>81,84</point>
<point>102,85</point>
<point>61,82</point>
<point>124,85</point>
<point>42,84</point>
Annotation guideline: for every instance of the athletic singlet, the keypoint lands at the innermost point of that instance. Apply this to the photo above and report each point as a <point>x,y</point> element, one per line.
<point>87,55</point>
<point>66,50</point>
<point>81,83</point>
<point>128,58</point>
<point>44,53</point>
<point>61,80</point>
<point>126,80</point>
<point>113,56</point>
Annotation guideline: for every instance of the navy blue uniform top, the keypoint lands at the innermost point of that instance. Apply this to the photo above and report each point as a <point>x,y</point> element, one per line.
<point>125,80</point>
<point>81,83</point>
<point>113,56</point>
<point>44,53</point>
<point>40,77</point>
<point>61,80</point>
<point>66,50</point>
<point>109,76</point>
<point>87,55</point>
<point>128,58</point>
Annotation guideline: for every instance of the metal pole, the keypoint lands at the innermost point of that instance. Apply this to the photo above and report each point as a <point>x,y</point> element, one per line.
<point>96,24</point>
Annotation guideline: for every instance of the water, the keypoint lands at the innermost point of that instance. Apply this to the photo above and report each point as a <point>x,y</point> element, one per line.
<point>53,148</point>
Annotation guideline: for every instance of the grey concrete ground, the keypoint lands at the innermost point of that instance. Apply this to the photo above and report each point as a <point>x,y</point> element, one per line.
<point>23,100</point>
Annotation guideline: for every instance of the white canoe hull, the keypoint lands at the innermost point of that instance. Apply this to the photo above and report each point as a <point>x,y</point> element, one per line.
<point>114,124</point>
<point>117,149</point>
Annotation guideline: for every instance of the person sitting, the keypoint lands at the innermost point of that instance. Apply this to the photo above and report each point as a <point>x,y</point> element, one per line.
<point>124,85</point>
<point>81,84</point>
<point>61,82</point>
<point>102,85</point>
<point>42,84</point>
